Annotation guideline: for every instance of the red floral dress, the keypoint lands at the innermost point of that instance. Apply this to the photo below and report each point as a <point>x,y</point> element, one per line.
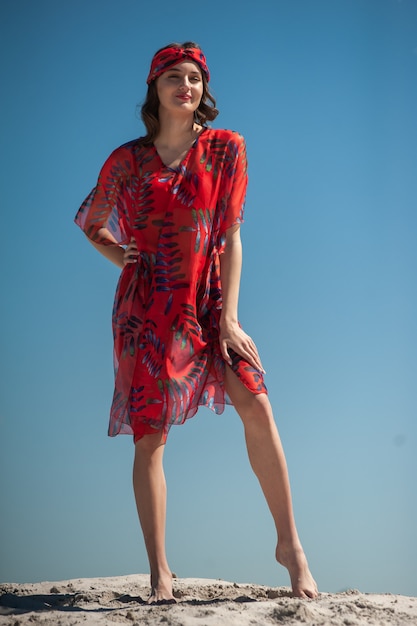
<point>167,306</point>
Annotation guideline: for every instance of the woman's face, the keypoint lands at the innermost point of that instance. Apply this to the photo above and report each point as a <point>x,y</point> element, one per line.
<point>180,88</point>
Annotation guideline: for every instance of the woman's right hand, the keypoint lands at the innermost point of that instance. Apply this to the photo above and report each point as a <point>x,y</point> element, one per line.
<point>131,252</point>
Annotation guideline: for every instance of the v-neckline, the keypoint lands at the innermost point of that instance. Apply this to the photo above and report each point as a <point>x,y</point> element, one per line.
<point>185,158</point>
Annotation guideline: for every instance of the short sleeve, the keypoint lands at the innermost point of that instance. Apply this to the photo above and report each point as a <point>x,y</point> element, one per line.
<point>106,205</point>
<point>235,180</point>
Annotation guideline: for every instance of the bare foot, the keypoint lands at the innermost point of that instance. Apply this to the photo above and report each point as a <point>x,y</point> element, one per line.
<point>161,589</point>
<point>302,582</point>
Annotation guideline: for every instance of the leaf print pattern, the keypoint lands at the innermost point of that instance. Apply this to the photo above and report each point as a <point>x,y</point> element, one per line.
<point>167,306</point>
<point>152,348</point>
<point>202,224</point>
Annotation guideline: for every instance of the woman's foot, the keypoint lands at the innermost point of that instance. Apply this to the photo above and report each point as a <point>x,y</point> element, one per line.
<point>302,582</point>
<point>161,589</point>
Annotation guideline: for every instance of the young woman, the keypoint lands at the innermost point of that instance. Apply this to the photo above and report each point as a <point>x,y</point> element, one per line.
<point>167,210</point>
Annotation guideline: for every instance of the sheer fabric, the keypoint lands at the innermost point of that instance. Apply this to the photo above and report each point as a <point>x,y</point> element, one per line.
<point>167,306</point>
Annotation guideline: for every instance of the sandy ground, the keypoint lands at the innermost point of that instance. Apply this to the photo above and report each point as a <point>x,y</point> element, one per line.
<point>202,602</point>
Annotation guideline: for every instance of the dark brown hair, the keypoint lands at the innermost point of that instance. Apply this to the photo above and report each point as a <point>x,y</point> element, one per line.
<point>150,109</point>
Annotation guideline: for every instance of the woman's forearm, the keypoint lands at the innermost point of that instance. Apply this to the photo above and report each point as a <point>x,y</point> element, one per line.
<point>231,336</point>
<point>230,271</point>
<point>113,251</point>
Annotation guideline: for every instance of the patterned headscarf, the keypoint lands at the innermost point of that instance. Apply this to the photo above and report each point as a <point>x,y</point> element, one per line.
<point>167,57</point>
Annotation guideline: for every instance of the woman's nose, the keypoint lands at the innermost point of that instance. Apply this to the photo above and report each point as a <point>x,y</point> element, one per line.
<point>185,83</point>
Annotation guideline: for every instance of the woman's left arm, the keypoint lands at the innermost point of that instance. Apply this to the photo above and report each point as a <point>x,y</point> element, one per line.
<point>231,335</point>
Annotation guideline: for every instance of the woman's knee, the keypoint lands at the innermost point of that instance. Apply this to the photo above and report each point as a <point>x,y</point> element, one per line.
<point>149,444</point>
<point>256,407</point>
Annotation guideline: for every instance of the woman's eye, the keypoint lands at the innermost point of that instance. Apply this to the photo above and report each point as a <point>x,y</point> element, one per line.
<point>193,79</point>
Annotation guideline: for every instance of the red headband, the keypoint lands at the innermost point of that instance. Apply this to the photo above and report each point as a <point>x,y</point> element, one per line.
<point>167,57</point>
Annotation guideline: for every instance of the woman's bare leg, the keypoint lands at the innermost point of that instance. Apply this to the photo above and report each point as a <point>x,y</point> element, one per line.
<point>150,494</point>
<point>267,459</point>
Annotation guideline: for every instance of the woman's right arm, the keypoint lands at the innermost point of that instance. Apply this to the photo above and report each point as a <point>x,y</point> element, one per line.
<point>113,251</point>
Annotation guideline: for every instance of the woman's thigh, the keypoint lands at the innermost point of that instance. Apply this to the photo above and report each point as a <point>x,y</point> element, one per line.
<point>246,403</point>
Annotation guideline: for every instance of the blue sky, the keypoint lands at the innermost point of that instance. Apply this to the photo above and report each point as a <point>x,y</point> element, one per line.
<point>325,93</point>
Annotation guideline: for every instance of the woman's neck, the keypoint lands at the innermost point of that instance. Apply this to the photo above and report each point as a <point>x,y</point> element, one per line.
<point>174,131</point>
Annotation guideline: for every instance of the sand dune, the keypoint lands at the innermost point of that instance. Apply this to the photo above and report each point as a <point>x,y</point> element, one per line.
<point>202,602</point>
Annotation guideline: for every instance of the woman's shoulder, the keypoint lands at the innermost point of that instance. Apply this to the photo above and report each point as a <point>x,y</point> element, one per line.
<point>129,147</point>
<point>127,153</point>
<point>224,134</point>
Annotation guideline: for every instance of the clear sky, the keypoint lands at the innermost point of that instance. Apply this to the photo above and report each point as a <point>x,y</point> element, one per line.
<point>325,93</point>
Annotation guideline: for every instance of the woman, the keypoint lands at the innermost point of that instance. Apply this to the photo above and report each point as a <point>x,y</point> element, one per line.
<point>166,210</point>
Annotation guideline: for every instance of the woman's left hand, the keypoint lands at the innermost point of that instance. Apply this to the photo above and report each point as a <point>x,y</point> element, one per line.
<point>232,336</point>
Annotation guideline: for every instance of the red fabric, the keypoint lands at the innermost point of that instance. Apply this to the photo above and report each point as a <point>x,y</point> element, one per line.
<point>167,306</point>
<point>167,57</point>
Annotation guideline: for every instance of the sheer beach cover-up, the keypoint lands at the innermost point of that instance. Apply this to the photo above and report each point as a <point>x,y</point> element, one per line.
<point>167,306</point>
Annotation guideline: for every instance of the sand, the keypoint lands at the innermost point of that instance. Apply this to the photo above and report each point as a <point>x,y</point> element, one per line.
<point>201,602</point>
